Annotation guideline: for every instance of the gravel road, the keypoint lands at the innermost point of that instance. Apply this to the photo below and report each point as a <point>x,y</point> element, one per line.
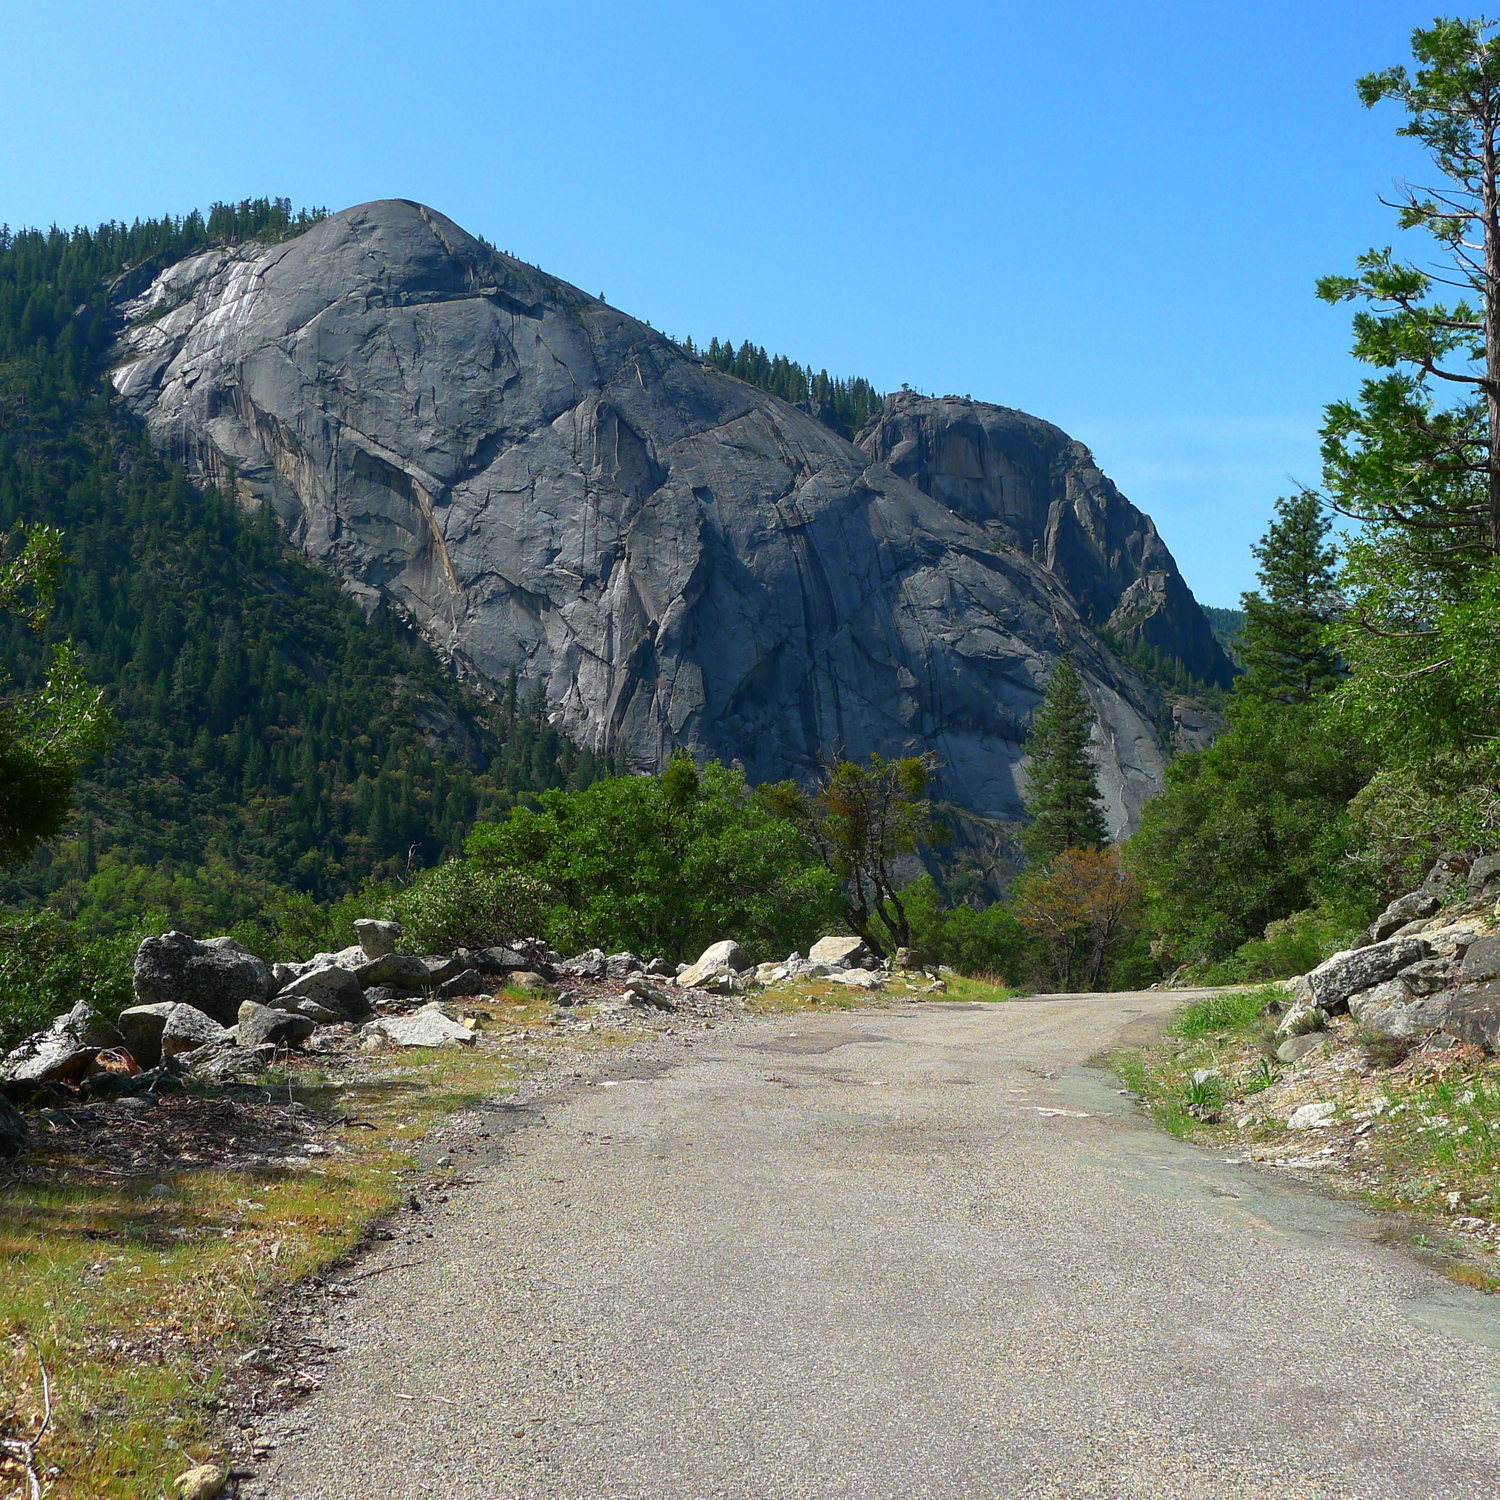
<point>922,1253</point>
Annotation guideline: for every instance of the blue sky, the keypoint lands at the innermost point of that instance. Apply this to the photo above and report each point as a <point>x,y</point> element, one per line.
<point>1109,215</point>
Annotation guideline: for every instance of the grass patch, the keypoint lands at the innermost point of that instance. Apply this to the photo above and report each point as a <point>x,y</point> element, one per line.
<point>137,1286</point>
<point>1237,1011</point>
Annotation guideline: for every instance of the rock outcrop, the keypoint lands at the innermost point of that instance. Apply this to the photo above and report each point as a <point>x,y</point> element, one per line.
<point>1029,485</point>
<point>544,484</point>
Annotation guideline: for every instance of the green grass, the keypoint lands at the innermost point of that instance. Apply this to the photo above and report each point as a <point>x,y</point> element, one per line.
<point>1237,1012</point>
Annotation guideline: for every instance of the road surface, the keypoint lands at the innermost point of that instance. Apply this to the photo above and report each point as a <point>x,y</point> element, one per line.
<point>922,1254</point>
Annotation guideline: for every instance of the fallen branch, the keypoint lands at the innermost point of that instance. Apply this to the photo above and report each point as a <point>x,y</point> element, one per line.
<point>24,1449</point>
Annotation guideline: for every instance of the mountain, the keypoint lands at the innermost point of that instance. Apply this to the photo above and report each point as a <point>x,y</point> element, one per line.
<point>541,483</point>
<point>1030,486</point>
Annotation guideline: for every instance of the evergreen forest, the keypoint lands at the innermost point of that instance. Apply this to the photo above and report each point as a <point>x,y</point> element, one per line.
<point>268,740</point>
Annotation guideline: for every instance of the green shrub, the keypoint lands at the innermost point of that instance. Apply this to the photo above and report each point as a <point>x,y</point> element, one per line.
<point>464,904</point>
<point>665,865</point>
<point>1295,944</point>
<point>47,967</point>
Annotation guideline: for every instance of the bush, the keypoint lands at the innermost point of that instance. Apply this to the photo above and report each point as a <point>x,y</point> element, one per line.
<point>665,865</point>
<point>464,904</point>
<point>47,966</point>
<point>973,940</point>
<point>1293,945</point>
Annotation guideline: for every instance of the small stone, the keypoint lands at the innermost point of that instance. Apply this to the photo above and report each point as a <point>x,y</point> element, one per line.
<point>203,1483</point>
<point>1315,1116</point>
<point>1295,1048</point>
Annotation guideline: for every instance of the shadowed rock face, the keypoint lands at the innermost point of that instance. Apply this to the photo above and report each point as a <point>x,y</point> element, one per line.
<point>542,482</point>
<point>1029,485</point>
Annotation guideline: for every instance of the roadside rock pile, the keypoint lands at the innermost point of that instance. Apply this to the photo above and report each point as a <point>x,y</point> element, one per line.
<point>1427,972</point>
<point>210,1013</point>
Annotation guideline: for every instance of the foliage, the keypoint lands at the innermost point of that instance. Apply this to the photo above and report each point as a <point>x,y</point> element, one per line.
<point>1284,640</point>
<point>1250,830</point>
<point>1082,909</point>
<point>1295,944</point>
<point>291,926</point>
<point>47,967</point>
<point>860,821</point>
<point>1416,460</point>
<point>464,904</point>
<point>48,731</point>
<point>665,865</point>
<point>844,405</point>
<point>973,940</point>
<point>1226,625</point>
<point>269,738</point>
<point>1062,784</point>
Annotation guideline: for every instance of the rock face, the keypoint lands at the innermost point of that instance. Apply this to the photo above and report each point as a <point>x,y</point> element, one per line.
<point>544,484</point>
<point>1030,486</point>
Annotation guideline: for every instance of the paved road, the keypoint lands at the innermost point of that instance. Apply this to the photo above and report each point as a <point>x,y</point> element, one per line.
<point>921,1254</point>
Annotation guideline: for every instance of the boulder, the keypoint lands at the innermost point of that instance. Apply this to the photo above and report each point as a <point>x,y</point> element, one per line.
<point>186,1029</point>
<point>908,958</point>
<point>427,1027</point>
<point>376,938</point>
<point>1346,974</point>
<point>260,1025</point>
<point>622,966</point>
<point>1408,908</point>
<point>62,1052</point>
<point>643,992</point>
<point>216,977</point>
<point>1427,976</point>
<point>1484,876</point>
<point>320,1015</point>
<point>493,961</point>
<point>330,986</point>
<point>662,968</point>
<point>591,963</point>
<point>142,1027</point>
<point>398,971</point>
<point>1481,962</point>
<point>229,1063</point>
<point>840,952</point>
<point>1471,1013</point>
<point>1391,1009</point>
<point>527,980</point>
<point>857,979</point>
<point>469,982</point>
<point>715,961</point>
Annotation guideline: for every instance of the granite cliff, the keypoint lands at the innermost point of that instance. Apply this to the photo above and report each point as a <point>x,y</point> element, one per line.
<point>541,482</point>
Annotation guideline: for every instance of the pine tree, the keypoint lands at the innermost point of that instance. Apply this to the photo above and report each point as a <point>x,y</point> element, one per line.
<point>1062,792</point>
<point>1283,642</point>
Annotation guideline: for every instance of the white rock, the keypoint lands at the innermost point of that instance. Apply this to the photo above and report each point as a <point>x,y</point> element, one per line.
<point>858,979</point>
<point>427,1027</point>
<point>716,960</point>
<point>1316,1116</point>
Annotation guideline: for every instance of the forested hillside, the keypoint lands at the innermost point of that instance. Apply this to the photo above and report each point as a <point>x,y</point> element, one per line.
<point>267,736</point>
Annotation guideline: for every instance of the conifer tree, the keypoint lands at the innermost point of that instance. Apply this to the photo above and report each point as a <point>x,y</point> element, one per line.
<point>1062,792</point>
<point>1283,642</point>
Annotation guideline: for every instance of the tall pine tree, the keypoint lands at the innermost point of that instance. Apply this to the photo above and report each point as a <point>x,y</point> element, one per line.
<point>1062,793</point>
<point>1283,642</point>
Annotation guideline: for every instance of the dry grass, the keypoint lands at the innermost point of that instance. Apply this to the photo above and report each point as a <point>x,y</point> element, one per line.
<point>137,1284</point>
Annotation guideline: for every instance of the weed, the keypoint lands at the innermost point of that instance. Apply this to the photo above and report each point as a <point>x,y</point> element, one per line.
<point>1238,1010</point>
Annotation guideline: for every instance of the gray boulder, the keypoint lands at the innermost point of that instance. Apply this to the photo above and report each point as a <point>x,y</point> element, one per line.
<point>427,1027</point>
<point>331,987</point>
<point>644,992</point>
<point>840,952</point>
<point>591,963</point>
<point>470,982</point>
<point>622,965</point>
<point>389,384</point>
<point>1295,1048</point>
<point>1471,1013</point>
<point>1393,1009</point>
<point>408,971</point>
<point>261,1026</point>
<point>377,938</point>
<point>1408,908</point>
<point>1481,962</point>
<point>62,1052</point>
<point>1302,1017</point>
<point>1484,876</point>
<point>216,977</point>
<point>142,1027</point>
<point>228,1063</point>
<point>185,1029</point>
<point>1346,974</point>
